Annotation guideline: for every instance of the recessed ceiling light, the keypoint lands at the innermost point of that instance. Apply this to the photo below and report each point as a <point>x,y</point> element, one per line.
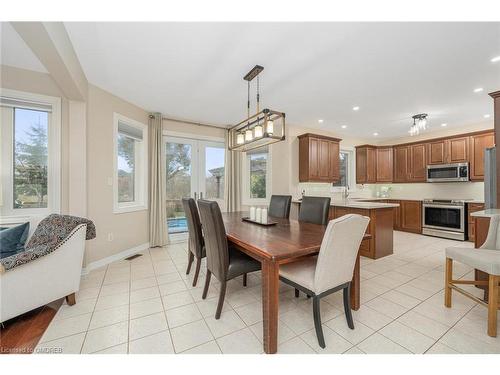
<point>444,124</point>
<point>479,89</point>
<point>344,126</point>
<point>487,116</point>
<point>321,121</point>
<point>355,108</point>
<point>495,59</point>
<point>375,134</point>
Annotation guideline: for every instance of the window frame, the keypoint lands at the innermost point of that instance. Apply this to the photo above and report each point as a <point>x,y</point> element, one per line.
<point>246,200</point>
<point>8,212</point>
<point>351,171</point>
<point>140,202</point>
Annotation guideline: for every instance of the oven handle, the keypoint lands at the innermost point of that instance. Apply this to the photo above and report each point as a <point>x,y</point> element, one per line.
<point>443,206</point>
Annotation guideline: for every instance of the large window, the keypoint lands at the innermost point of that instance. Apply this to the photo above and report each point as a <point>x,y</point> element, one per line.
<point>30,154</point>
<point>347,176</point>
<point>257,176</point>
<point>130,185</point>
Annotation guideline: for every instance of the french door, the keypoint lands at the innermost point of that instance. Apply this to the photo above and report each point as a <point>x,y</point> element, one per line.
<point>195,168</point>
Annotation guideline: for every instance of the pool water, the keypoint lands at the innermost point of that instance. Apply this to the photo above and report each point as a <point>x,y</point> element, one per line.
<point>177,225</point>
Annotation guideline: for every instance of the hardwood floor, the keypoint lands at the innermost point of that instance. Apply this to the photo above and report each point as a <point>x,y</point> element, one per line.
<point>20,335</point>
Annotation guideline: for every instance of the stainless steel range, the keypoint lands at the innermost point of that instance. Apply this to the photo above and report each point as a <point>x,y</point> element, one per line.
<point>445,218</point>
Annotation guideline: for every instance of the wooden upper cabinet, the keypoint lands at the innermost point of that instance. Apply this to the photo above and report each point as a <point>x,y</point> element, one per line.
<point>366,164</point>
<point>450,150</point>
<point>477,144</point>
<point>318,158</point>
<point>436,152</point>
<point>418,162</point>
<point>401,163</point>
<point>384,166</point>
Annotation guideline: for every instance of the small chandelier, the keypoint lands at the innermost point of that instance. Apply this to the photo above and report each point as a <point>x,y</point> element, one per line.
<point>419,124</point>
<point>263,128</point>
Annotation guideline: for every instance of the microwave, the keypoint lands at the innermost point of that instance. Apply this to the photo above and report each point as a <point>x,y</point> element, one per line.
<point>457,172</point>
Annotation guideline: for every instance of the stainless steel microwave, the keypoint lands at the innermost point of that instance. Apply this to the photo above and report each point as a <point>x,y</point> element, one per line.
<point>457,172</point>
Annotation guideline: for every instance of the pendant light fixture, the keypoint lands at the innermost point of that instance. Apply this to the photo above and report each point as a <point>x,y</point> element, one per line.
<point>419,124</point>
<point>263,128</point>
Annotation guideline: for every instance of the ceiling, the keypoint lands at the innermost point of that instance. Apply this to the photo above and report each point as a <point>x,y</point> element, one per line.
<point>312,71</point>
<point>15,52</point>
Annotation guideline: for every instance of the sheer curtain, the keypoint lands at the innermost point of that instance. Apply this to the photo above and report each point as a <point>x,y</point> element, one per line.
<point>158,234</point>
<point>232,179</point>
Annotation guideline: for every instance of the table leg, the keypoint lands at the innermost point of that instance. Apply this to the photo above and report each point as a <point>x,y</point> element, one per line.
<point>270,301</point>
<point>355,285</point>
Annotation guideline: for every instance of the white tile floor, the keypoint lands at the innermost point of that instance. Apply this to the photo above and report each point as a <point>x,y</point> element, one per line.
<point>148,305</point>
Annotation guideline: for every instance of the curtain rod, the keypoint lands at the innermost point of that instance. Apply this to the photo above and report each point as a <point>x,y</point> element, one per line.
<point>193,123</point>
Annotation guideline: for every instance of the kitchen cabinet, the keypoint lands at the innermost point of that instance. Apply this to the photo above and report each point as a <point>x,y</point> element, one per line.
<point>471,220</point>
<point>318,158</point>
<point>384,166</point>
<point>396,214</point>
<point>411,216</point>
<point>418,163</point>
<point>477,144</point>
<point>401,163</point>
<point>366,164</point>
<point>449,150</point>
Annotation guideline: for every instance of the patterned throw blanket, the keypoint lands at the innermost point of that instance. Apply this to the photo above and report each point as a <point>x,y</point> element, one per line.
<point>50,234</point>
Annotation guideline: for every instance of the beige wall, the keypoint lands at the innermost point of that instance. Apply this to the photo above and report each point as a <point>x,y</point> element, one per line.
<point>127,229</point>
<point>194,130</point>
<point>41,83</point>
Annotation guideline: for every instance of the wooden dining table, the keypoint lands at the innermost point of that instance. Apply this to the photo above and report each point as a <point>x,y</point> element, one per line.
<point>287,241</point>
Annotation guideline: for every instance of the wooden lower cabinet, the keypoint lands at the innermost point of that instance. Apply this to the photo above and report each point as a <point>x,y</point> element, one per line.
<point>471,228</point>
<point>411,216</point>
<point>380,227</point>
<point>481,225</point>
<point>396,214</point>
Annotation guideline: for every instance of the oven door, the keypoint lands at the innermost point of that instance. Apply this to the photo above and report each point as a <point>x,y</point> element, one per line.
<point>444,217</point>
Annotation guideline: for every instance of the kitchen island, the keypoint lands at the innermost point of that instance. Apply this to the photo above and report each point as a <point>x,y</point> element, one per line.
<point>380,227</point>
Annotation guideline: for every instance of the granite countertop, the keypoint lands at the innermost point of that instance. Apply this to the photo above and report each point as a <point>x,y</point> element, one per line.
<point>486,213</point>
<point>358,204</point>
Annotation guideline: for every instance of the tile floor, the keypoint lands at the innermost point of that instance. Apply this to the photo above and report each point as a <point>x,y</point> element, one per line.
<point>148,305</point>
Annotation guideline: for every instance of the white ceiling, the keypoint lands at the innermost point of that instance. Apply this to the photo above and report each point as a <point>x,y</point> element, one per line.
<point>15,52</point>
<point>312,70</point>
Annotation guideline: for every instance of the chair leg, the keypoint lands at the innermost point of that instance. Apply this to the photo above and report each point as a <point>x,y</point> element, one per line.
<point>197,271</point>
<point>190,262</point>
<point>447,280</point>
<point>347,306</point>
<point>317,322</point>
<point>297,293</point>
<point>244,279</point>
<point>71,299</point>
<point>493,305</point>
<point>207,283</point>
<point>222,295</point>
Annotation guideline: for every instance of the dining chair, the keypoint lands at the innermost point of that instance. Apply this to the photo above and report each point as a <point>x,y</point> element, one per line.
<point>332,269</point>
<point>314,210</point>
<point>486,259</point>
<point>280,206</point>
<point>196,244</point>
<point>223,261</point>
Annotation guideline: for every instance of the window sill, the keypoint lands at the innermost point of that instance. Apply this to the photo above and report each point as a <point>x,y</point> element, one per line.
<point>126,209</point>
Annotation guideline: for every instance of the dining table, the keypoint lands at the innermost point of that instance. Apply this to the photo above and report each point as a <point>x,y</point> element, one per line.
<point>272,245</point>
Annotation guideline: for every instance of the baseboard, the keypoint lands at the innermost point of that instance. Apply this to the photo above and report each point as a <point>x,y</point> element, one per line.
<point>113,258</point>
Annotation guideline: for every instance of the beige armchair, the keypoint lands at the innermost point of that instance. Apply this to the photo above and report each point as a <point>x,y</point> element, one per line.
<point>332,269</point>
<point>486,259</point>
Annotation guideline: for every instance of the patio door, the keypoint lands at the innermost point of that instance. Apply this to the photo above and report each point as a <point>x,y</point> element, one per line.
<point>194,168</point>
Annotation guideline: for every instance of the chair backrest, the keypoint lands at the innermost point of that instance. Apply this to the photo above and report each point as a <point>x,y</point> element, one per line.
<point>314,210</point>
<point>493,239</point>
<point>338,252</point>
<point>196,242</point>
<point>215,238</point>
<point>280,206</point>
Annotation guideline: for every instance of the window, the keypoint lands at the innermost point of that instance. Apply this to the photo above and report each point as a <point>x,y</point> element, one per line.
<point>257,176</point>
<point>346,158</point>
<point>130,180</point>
<point>30,154</point>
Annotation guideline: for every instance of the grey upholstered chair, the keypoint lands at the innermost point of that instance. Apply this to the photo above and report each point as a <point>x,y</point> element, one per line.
<point>314,210</point>
<point>196,244</point>
<point>280,206</point>
<point>223,262</point>
<point>486,259</point>
<point>332,269</point>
